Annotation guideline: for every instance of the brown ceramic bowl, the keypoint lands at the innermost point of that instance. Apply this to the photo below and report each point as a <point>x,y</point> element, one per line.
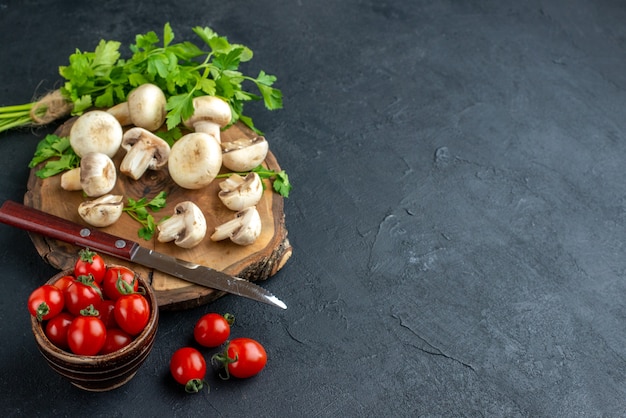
<point>101,372</point>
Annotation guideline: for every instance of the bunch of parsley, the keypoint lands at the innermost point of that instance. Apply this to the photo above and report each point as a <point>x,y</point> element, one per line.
<point>183,70</point>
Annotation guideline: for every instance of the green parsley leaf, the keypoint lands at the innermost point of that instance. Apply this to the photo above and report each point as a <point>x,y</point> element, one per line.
<point>139,211</point>
<point>54,146</point>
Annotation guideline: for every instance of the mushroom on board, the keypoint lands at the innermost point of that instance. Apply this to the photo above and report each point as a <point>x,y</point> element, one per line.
<point>245,153</point>
<point>103,211</point>
<point>244,229</point>
<point>96,175</point>
<point>210,115</point>
<point>144,151</point>
<point>238,193</point>
<point>186,227</point>
<point>96,131</point>
<point>195,160</point>
<point>144,107</point>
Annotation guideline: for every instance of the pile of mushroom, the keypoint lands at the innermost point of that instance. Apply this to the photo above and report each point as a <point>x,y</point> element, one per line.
<point>193,162</point>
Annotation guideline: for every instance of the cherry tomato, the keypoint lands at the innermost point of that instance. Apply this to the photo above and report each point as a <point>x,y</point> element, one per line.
<point>64,282</point>
<point>82,293</point>
<point>106,310</point>
<point>45,302</point>
<point>132,313</point>
<point>86,335</point>
<point>56,329</point>
<point>116,339</point>
<point>90,263</point>
<point>111,287</point>
<point>212,329</point>
<point>244,357</point>
<point>188,368</point>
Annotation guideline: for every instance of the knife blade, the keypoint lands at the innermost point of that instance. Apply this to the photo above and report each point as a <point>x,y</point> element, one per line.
<point>34,220</point>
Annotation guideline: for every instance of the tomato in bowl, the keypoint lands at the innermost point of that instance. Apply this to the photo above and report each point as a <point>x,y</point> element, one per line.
<point>100,372</point>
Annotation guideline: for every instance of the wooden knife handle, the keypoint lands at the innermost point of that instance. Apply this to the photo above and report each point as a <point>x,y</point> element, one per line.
<point>34,220</point>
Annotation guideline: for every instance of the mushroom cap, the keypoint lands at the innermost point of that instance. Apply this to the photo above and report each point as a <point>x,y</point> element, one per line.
<point>186,227</point>
<point>209,109</point>
<point>244,229</point>
<point>195,160</point>
<point>144,150</point>
<point>238,193</point>
<point>96,131</point>
<point>97,174</point>
<point>103,211</point>
<point>146,107</point>
<point>244,154</point>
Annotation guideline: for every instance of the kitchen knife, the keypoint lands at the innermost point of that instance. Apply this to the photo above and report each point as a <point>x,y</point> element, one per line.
<point>34,220</point>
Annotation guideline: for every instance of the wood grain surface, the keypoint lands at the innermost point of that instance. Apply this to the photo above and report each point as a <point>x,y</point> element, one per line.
<point>255,262</point>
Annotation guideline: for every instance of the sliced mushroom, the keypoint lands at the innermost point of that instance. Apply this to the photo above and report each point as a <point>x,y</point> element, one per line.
<point>97,174</point>
<point>186,227</point>
<point>195,160</point>
<point>244,229</point>
<point>144,150</point>
<point>245,153</point>
<point>96,131</point>
<point>103,211</point>
<point>238,193</point>
<point>144,107</point>
<point>210,115</point>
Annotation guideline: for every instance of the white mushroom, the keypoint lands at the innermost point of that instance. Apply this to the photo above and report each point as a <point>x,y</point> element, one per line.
<point>210,115</point>
<point>244,229</point>
<point>245,153</point>
<point>195,160</point>
<point>144,107</point>
<point>96,131</point>
<point>96,175</point>
<point>144,150</point>
<point>238,193</point>
<point>103,211</point>
<point>186,227</point>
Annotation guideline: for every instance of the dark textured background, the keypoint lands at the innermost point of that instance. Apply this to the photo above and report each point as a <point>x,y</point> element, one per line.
<point>457,218</point>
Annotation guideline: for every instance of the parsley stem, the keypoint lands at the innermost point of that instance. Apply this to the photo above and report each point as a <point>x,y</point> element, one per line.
<point>10,124</point>
<point>16,108</point>
<point>14,115</point>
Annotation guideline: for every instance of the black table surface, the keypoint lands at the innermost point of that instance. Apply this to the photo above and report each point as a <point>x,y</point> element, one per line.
<point>457,216</point>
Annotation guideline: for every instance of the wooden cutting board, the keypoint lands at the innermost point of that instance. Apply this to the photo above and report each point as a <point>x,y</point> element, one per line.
<point>256,262</point>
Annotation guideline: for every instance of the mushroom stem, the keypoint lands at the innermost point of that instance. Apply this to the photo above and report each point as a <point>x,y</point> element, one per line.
<point>136,161</point>
<point>144,151</point>
<point>121,113</point>
<point>209,128</point>
<point>170,229</point>
<point>70,180</point>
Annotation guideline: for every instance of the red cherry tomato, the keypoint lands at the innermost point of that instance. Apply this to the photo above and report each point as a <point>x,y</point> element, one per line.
<point>106,310</point>
<point>56,329</point>
<point>90,263</point>
<point>188,368</point>
<point>86,335</point>
<point>82,293</point>
<point>116,339</point>
<point>132,313</point>
<point>64,282</point>
<point>45,302</point>
<point>244,357</point>
<point>111,286</point>
<point>212,329</point>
